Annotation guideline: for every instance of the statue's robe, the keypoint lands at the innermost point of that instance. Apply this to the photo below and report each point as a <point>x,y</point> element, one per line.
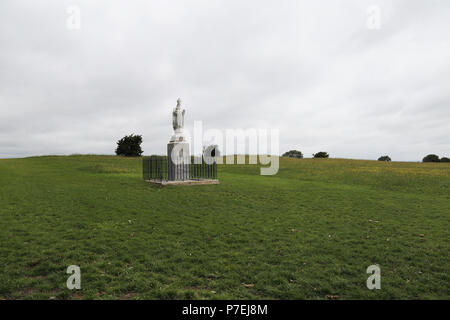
<point>178,119</point>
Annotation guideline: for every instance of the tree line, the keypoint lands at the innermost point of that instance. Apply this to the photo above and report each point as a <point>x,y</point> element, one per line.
<point>131,146</point>
<point>322,154</point>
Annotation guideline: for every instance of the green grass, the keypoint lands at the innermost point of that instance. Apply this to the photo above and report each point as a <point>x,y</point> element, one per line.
<point>305,233</point>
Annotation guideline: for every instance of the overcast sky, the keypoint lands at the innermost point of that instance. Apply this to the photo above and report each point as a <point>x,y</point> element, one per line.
<point>322,72</point>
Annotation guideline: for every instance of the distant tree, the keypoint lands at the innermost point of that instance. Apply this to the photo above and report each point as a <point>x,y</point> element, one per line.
<point>384,158</point>
<point>129,146</point>
<point>321,154</point>
<point>431,158</point>
<point>445,159</point>
<point>293,154</point>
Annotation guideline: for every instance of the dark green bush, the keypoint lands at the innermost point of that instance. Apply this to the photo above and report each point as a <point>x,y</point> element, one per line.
<point>129,146</point>
<point>384,158</point>
<point>321,154</point>
<point>293,154</point>
<point>445,159</point>
<point>431,158</point>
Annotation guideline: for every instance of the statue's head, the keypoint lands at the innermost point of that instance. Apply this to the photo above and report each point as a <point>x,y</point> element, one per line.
<point>178,103</point>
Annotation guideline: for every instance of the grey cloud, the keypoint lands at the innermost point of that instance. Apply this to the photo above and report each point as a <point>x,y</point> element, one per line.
<point>310,68</point>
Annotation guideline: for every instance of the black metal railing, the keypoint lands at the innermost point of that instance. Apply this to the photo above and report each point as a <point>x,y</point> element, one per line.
<point>154,168</point>
<point>198,171</point>
<point>158,168</point>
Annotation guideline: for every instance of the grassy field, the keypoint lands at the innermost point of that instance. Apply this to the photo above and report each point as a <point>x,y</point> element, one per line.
<point>308,232</point>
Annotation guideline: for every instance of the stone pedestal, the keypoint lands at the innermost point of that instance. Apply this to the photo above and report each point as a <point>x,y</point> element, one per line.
<point>178,159</point>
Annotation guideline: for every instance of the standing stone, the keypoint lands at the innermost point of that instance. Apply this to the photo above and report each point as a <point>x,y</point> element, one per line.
<point>178,148</point>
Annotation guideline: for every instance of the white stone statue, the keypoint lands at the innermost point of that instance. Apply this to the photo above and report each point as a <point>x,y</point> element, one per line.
<point>178,123</point>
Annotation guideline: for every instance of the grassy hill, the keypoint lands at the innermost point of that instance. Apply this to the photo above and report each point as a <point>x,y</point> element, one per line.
<point>308,232</point>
